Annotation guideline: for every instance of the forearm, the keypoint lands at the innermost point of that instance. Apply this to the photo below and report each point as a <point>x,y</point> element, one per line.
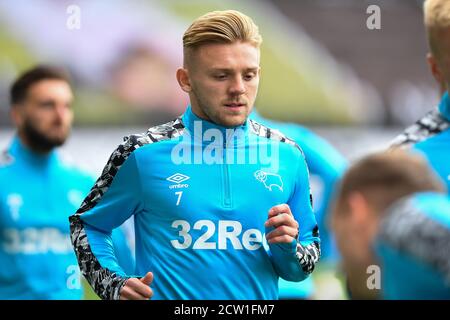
<point>294,261</point>
<point>103,273</point>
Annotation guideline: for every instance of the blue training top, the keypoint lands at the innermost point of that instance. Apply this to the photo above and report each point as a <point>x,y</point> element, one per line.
<point>430,137</point>
<point>37,195</point>
<point>436,148</point>
<point>413,246</point>
<point>200,195</point>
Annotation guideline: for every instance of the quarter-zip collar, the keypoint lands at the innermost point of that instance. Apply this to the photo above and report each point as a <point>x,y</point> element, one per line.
<point>21,152</point>
<point>206,131</point>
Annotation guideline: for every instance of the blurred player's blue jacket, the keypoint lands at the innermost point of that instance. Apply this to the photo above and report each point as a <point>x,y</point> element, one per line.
<point>430,136</point>
<point>413,247</point>
<point>199,220</point>
<point>37,195</point>
<point>436,148</point>
<point>326,166</point>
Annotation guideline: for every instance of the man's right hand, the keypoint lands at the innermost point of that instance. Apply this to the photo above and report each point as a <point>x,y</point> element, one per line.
<point>137,289</point>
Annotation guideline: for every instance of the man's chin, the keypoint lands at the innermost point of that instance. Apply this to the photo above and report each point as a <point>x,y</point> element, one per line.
<point>231,122</point>
<point>58,142</point>
<point>44,140</point>
<point>46,143</point>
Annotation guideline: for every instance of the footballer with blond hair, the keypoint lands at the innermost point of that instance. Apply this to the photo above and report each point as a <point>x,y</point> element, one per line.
<point>206,227</point>
<point>431,135</point>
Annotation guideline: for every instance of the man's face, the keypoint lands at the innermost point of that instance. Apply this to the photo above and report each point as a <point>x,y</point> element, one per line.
<point>224,81</point>
<point>44,118</point>
<point>353,232</point>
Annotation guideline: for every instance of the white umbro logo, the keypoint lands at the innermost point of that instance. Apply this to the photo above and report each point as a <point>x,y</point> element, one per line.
<point>178,178</point>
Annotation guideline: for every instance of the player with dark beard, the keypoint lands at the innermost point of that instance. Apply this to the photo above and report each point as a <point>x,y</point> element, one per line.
<point>38,192</point>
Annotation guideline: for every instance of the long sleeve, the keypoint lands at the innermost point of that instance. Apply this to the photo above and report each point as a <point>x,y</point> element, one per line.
<point>296,260</point>
<point>114,198</point>
<point>123,250</point>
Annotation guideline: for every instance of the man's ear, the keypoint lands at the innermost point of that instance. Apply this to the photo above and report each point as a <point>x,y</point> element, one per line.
<point>183,80</point>
<point>16,115</point>
<point>359,207</point>
<point>436,71</point>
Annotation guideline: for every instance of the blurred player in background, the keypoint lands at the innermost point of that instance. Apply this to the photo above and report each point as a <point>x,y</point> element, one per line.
<point>200,221</point>
<point>38,191</point>
<point>391,211</point>
<point>326,166</point>
<point>431,135</point>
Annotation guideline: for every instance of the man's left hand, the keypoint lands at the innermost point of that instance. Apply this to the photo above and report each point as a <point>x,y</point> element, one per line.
<point>286,227</point>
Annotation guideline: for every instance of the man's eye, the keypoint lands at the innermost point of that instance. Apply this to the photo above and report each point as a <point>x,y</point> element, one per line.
<point>47,104</point>
<point>220,76</point>
<point>249,76</point>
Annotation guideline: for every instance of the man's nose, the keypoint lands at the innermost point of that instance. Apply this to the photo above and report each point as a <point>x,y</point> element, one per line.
<point>237,87</point>
<point>61,111</point>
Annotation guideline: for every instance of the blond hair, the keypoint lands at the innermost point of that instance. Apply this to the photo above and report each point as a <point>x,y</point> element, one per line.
<point>437,19</point>
<point>386,177</point>
<point>227,26</point>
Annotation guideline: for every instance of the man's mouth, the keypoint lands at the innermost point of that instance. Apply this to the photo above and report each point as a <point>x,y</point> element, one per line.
<point>234,105</point>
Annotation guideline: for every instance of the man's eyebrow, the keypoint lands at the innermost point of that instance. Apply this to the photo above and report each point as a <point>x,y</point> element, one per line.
<point>254,69</point>
<point>220,69</point>
<point>45,100</point>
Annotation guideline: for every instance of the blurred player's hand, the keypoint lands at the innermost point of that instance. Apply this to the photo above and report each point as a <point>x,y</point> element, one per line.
<point>284,224</point>
<point>137,289</point>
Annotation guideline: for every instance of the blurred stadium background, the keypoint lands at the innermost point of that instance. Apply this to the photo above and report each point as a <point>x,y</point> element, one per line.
<point>322,67</point>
